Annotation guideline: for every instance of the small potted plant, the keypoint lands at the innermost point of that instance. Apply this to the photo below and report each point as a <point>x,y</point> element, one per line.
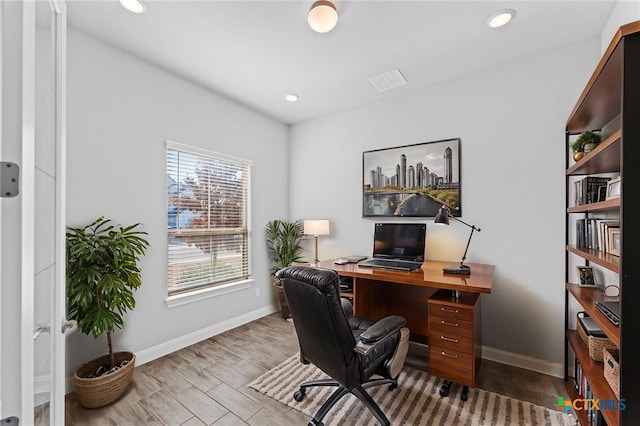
<point>102,275</point>
<point>584,144</point>
<point>283,245</point>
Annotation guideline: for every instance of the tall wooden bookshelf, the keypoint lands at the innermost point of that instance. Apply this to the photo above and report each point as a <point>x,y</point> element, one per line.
<point>610,103</point>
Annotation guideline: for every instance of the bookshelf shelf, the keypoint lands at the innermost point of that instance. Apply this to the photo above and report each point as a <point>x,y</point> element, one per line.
<point>605,158</point>
<point>612,204</point>
<point>603,259</point>
<point>587,297</point>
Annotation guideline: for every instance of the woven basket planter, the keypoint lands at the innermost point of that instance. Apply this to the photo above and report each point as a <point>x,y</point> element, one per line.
<point>100,391</point>
<point>284,305</point>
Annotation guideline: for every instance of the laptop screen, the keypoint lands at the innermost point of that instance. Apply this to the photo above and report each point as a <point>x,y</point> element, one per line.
<point>404,241</point>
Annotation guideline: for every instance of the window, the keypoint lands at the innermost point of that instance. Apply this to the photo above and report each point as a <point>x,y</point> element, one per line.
<point>207,218</point>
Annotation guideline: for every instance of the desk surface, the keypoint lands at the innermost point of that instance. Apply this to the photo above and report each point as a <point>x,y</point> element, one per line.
<point>429,275</point>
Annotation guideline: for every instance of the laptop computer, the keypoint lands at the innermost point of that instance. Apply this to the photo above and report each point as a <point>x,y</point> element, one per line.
<point>397,246</point>
<point>611,310</point>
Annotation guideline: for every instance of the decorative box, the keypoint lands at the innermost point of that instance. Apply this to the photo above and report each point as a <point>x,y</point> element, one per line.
<point>593,337</point>
<point>612,369</point>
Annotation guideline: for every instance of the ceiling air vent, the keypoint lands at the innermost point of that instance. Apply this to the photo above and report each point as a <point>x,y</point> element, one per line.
<point>388,80</point>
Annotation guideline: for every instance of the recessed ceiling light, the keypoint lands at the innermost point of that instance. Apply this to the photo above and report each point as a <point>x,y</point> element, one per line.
<point>291,97</point>
<point>501,18</point>
<point>135,6</point>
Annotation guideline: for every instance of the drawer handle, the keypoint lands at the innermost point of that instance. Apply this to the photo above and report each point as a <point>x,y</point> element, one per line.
<point>452,324</point>
<point>453,311</point>
<point>449,339</point>
<point>449,355</point>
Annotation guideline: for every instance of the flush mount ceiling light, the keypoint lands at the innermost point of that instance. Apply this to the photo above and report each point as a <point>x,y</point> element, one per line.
<point>135,6</point>
<point>501,18</point>
<point>322,17</point>
<point>291,97</point>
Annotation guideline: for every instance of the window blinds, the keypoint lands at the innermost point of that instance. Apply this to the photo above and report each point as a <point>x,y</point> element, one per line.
<point>207,219</point>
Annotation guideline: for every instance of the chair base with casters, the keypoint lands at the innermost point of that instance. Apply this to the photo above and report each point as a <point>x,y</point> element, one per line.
<point>359,392</point>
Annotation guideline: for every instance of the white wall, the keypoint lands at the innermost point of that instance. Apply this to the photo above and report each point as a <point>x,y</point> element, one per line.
<point>511,121</point>
<point>120,112</point>
<point>625,11</point>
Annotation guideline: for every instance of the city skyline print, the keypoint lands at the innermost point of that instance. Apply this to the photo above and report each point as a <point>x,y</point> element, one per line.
<point>412,180</point>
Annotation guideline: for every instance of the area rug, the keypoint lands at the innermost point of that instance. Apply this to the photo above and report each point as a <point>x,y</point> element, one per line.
<point>416,401</point>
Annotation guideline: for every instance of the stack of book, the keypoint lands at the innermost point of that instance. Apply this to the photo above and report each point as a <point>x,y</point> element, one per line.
<point>593,233</point>
<point>584,389</point>
<point>590,189</point>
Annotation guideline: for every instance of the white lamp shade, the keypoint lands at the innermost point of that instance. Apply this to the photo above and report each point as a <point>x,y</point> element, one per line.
<point>322,17</point>
<point>316,227</point>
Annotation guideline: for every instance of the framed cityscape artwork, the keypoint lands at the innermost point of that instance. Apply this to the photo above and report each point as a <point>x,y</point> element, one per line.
<point>412,180</point>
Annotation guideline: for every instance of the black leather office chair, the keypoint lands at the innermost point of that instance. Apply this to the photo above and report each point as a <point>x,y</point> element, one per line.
<point>349,349</point>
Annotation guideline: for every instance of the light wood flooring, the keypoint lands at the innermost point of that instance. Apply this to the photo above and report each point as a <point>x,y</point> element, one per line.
<point>207,383</point>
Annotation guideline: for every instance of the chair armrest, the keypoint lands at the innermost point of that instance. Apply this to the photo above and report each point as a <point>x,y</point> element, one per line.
<point>382,329</point>
<point>377,332</point>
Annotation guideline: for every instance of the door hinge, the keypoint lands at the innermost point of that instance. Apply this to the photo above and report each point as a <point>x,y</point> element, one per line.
<point>9,174</point>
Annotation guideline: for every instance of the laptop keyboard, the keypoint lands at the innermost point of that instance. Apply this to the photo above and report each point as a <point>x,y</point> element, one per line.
<point>403,265</point>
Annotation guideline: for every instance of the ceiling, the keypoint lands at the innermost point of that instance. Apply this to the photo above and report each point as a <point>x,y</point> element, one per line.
<point>255,52</point>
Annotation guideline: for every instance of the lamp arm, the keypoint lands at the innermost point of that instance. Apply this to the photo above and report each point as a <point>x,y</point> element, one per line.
<point>463,222</point>
<point>473,228</point>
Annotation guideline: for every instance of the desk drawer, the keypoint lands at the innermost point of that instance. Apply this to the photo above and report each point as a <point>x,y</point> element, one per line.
<point>450,326</point>
<point>451,342</point>
<point>451,365</point>
<point>452,312</point>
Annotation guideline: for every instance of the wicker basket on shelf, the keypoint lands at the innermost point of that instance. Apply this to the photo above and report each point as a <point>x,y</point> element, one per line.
<point>612,369</point>
<point>595,344</point>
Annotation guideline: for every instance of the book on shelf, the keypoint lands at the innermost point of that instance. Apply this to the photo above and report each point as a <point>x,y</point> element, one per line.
<point>593,233</point>
<point>603,232</point>
<point>587,189</point>
<point>580,240</point>
<point>584,389</point>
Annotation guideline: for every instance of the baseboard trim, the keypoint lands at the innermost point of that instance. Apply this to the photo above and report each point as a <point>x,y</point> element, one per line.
<point>165,348</point>
<point>181,342</point>
<point>522,361</point>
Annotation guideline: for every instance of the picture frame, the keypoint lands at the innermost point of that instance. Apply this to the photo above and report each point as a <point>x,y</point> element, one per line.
<point>586,276</point>
<point>602,193</point>
<point>613,188</point>
<point>412,180</point>
<point>613,242</point>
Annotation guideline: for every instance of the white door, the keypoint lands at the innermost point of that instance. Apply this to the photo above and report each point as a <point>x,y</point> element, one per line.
<point>32,226</point>
<point>49,213</point>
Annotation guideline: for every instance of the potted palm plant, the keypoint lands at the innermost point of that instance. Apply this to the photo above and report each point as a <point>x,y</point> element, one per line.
<point>283,245</point>
<point>102,275</point>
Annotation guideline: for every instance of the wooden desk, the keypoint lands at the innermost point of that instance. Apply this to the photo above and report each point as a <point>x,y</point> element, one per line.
<point>378,293</point>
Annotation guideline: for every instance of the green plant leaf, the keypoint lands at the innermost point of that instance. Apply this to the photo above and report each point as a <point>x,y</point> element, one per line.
<point>283,243</point>
<point>102,274</point>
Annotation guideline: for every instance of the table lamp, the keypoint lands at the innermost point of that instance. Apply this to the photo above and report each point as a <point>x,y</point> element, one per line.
<point>316,227</point>
<point>443,218</point>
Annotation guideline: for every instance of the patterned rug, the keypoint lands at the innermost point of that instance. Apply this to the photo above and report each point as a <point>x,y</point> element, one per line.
<point>416,401</point>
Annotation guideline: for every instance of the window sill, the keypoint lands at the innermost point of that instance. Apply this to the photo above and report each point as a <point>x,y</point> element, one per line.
<point>206,293</point>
